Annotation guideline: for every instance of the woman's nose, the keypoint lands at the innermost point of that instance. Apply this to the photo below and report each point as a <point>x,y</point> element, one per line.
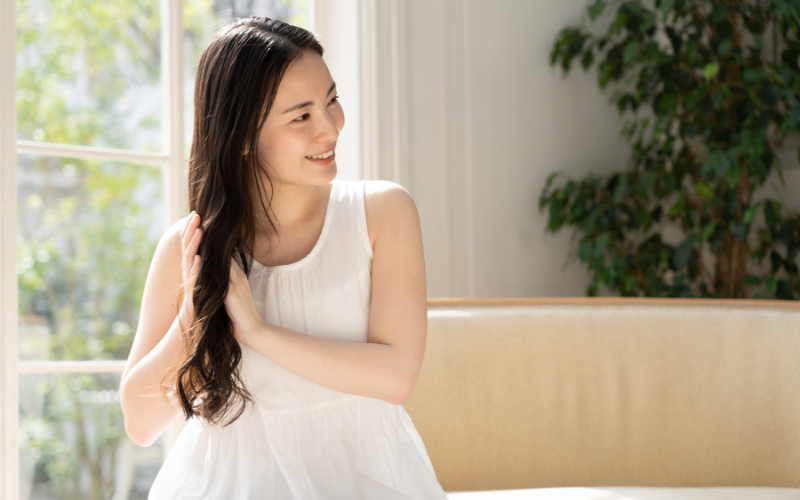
<point>328,130</point>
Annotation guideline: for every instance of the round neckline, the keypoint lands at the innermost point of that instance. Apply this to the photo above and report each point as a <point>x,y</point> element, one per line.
<point>257,266</point>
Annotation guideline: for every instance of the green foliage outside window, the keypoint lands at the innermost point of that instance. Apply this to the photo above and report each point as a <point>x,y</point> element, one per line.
<point>87,228</point>
<point>712,87</point>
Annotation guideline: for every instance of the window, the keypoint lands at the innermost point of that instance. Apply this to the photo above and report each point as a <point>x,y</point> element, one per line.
<point>104,112</point>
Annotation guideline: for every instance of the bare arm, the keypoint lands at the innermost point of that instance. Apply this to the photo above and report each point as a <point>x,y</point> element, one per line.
<point>158,340</point>
<point>387,366</point>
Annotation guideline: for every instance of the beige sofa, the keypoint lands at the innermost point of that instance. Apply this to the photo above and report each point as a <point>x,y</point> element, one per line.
<point>598,398</point>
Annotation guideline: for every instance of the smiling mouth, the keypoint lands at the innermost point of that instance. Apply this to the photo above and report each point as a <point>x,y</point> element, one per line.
<point>322,156</point>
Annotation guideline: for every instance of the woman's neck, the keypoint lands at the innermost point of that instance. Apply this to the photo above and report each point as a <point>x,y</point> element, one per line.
<point>293,205</point>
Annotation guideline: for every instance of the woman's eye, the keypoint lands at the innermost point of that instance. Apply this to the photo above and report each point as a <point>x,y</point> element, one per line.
<point>335,98</point>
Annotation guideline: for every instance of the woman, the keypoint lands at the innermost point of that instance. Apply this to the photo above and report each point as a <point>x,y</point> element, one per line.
<point>286,316</point>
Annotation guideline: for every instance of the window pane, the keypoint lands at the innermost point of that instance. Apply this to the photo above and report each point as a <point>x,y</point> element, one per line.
<point>88,73</point>
<point>73,442</point>
<point>199,18</point>
<point>87,231</point>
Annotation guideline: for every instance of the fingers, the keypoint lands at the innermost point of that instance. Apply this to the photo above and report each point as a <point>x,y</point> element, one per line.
<point>186,224</point>
<point>190,254</point>
<point>192,224</point>
<point>190,240</point>
<point>194,243</point>
<point>195,267</point>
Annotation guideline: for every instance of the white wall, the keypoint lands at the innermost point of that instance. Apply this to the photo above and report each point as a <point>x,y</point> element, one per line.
<point>489,119</point>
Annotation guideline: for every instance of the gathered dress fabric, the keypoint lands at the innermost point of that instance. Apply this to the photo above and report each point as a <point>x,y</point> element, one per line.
<point>300,440</point>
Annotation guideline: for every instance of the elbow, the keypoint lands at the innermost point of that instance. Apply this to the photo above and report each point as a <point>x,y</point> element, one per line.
<point>400,398</point>
<point>139,436</point>
<point>404,383</point>
<point>133,432</point>
<point>143,419</point>
<point>403,390</point>
<point>137,433</point>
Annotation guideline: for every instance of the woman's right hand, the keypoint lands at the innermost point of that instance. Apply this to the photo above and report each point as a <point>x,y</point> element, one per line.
<point>190,266</point>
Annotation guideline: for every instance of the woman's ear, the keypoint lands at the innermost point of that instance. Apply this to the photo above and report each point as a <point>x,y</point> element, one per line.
<point>246,148</point>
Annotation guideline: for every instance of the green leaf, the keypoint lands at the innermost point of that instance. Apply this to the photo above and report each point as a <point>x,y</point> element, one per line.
<point>602,242</point>
<point>750,214</point>
<point>619,22</point>
<point>596,9</point>
<point>759,41</point>
<point>771,284</point>
<point>576,46</point>
<point>710,70</point>
<point>630,52</point>
<point>751,280</point>
<point>716,100</point>
<point>771,216</point>
<point>719,14</point>
<point>647,24</point>
<point>784,291</point>
<point>587,59</point>
<point>709,230</point>
<point>716,163</point>
<point>681,256</point>
<point>605,74</point>
<point>765,237</point>
<point>704,191</point>
<point>724,46</point>
<point>585,250</point>
<point>750,75</point>
<point>620,190</point>
<point>665,6</point>
<point>733,175</point>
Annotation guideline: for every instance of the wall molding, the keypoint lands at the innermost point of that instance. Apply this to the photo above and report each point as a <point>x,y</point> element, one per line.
<point>468,170</point>
<point>9,292</point>
<point>459,149</point>
<point>383,78</point>
<point>447,167</point>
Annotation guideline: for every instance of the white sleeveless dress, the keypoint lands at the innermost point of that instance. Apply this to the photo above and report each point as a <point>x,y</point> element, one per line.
<point>304,441</point>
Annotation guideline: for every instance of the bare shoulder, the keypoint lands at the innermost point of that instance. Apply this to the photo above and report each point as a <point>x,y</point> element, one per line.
<point>169,253</point>
<point>388,204</point>
<point>165,268</point>
<point>171,239</point>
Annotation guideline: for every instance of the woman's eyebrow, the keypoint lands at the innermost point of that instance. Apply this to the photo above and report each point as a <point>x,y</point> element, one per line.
<point>308,103</point>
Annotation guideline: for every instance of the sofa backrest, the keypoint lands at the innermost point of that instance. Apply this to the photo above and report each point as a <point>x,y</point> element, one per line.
<point>526,393</point>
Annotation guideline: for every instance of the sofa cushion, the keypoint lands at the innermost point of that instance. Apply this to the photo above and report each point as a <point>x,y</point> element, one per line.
<point>671,393</point>
<point>633,493</point>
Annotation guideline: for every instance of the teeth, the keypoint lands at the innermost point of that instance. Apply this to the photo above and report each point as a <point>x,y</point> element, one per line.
<point>326,155</point>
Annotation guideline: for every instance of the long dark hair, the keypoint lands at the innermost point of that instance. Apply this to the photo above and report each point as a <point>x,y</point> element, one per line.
<point>237,79</point>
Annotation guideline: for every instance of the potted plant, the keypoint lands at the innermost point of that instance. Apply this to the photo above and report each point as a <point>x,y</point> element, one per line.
<point>711,91</point>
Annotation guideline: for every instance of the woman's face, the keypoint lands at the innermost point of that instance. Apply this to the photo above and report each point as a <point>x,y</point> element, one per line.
<point>287,138</point>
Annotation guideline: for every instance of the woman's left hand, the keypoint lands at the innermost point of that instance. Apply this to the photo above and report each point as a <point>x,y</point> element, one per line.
<point>241,307</point>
